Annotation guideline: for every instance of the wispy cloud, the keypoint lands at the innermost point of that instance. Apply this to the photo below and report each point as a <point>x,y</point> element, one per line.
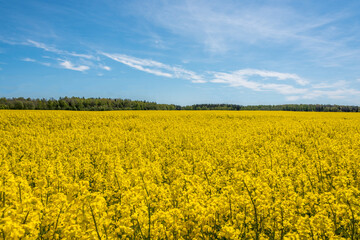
<point>44,47</point>
<point>292,86</point>
<point>87,56</point>
<point>10,41</point>
<point>58,51</point>
<point>240,78</point>
<point>222,27</point>
<point>156,68</point>
<point>69,65</point>
<point>338,84</point>
<point>338,90</point>
<point>28,60</point>
<point>144,65</point>
<point>243,78</point>
<point>330,94</point>
<point>107,68</point>
<point>271,74</point>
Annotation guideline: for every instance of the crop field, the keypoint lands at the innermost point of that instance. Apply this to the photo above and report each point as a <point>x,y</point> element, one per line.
<point>179,175</point>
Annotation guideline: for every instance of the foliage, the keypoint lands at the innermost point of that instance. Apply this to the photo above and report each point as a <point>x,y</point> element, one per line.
<point>82,104</point>
<point>107,104</point>
<point>179,175</point>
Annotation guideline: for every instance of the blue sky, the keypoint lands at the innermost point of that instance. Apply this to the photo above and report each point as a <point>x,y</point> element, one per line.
<point>182,52</point>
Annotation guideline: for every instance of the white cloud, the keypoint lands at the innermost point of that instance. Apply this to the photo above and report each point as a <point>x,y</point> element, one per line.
<point>9,41</point>
<point>292,98</point>
<point>156,68</point>
<point>332,94</point>
<point>224,26</point>
<point>271,74</point>
<point>107,68</point>
<point>45,64</point>
<point>217,24</point>
<point>295,87</point>
<point>44,47</point>
<point>57,51</point>
<point>69,65</point>
<point>338,84</point>
<point>240,79</point>
<point>284,89</point>
<point>28,60</point>
<point>186,74</point>
<point>35,61</point>
<point>139,64</point>
<point>79,55</point>
<point>292,86</point>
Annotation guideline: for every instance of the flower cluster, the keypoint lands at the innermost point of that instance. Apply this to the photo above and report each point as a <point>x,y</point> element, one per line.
<point>179,175</point>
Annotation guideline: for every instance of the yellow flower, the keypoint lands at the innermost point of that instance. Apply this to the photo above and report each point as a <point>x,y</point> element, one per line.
<point>179,175</point>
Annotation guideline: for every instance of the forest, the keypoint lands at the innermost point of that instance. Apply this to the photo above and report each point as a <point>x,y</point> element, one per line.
<point>108,104</point>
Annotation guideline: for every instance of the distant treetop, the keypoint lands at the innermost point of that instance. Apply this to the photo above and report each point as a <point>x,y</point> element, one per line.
<point>108,104</point>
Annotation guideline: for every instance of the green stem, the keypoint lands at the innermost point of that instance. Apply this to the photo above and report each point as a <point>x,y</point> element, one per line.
<point>96,227</point>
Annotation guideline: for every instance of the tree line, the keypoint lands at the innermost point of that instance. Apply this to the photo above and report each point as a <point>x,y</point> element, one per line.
<point>82,104</point>
<point>108,104</point>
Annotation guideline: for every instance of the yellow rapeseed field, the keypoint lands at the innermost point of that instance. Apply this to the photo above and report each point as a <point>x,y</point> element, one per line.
<point>179,175</point>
